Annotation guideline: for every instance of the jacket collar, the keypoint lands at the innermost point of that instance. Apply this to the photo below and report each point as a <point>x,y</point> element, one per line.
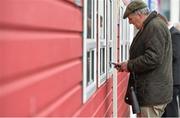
<point>150,17</point>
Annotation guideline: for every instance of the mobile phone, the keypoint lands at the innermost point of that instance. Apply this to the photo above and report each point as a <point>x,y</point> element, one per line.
<point>115,64</point>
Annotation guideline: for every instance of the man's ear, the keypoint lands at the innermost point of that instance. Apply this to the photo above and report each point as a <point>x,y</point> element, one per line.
<point>140,15</point>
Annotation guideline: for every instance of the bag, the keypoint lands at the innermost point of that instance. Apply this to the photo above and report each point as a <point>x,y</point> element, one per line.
<point>130,97</point>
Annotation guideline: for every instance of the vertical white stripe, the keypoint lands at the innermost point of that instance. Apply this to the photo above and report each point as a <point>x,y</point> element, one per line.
<point>115,14</point>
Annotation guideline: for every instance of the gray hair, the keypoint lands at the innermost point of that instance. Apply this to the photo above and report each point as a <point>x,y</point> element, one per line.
<point>144,11</point>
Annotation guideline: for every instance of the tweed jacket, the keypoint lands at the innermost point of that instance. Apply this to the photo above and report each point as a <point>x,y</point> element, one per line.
<point>151,61</point>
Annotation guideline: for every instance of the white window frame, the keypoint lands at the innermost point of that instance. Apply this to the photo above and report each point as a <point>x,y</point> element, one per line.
<point>110,41</point>
<point>121,32</point>
<point>124,37</point>
<point>102,42</point>
<point>127,39</point>
<point>89,44</point>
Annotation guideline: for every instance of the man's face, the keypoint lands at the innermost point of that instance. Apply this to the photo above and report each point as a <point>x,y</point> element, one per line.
<point>136,20</point>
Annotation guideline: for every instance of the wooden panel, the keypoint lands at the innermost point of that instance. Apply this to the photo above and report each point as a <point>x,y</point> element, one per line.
<point>123,111</point>
<point>66,105</point>
<point>37,44</point>
<point>41,57</point>
<point>109,111</point>
<point>123,108</point>
<point>106,103</point>
<point>21,56</point>
<point>97,101</point>
<point>31,95</point>
<point>51,14</point>
<point>105,108</point>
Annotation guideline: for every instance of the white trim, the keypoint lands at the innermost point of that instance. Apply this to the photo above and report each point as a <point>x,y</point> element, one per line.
<point>84,52</point>
<point>110,39</point>
<point>89,45</point>
<point>101,41</point>
<point>121,24</point>
<point>115,14</point>
<point>125,33</point>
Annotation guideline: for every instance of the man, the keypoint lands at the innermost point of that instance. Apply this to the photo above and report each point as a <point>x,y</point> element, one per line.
<point>150,60</point>
<point>171,109</point>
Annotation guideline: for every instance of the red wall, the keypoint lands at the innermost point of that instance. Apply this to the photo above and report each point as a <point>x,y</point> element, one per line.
<point>41,57</point>
<point>123,108</point>
<point>41,62</point>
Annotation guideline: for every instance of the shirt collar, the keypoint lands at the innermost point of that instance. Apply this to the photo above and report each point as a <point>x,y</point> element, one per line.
<point>170,26</point>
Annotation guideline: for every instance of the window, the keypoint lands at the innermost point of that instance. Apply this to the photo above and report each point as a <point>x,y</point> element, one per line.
<point>89,49</point>
<point>96,60</point>
<point>110,48</point>
<point>102,50</point>
<point>121,35</point>
<point>128,38</point>
<point>124,37</point>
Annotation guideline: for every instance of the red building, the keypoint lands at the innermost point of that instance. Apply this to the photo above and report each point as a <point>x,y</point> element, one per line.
<point>55,54</point>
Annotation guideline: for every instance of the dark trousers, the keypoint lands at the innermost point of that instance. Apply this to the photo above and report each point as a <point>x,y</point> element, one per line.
<point>171,109</point>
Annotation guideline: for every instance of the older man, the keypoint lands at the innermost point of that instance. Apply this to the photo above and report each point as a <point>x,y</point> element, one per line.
<point>150,60</point>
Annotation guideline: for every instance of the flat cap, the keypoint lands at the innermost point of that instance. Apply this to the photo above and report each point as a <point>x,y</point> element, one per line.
<point>134,6</point>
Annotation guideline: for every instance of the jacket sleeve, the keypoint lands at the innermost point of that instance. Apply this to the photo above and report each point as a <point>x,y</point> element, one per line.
<point>154,51</point>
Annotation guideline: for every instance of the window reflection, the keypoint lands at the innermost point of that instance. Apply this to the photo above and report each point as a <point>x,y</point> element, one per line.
<point>110,56</point>
<point>90,67</point>
<point>90,13</point>
<point>102,60</point>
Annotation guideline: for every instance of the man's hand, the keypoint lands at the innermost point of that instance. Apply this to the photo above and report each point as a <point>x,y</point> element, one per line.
<point>124,66</point>
<point>121,66</point>
<point>116,65</point>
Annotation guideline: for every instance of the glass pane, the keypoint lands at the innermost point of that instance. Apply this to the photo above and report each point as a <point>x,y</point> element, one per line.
<point>111,22</point>
<point>122,53</point>
<point>102,61</point>
<point>102,19</point>
<point>93,20</point>
<point>89,18</point>
<point>110,56</point>
<point>88,68</point>
<point>92,66</point>
<point>121,25</point>
<point>126,51</point>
